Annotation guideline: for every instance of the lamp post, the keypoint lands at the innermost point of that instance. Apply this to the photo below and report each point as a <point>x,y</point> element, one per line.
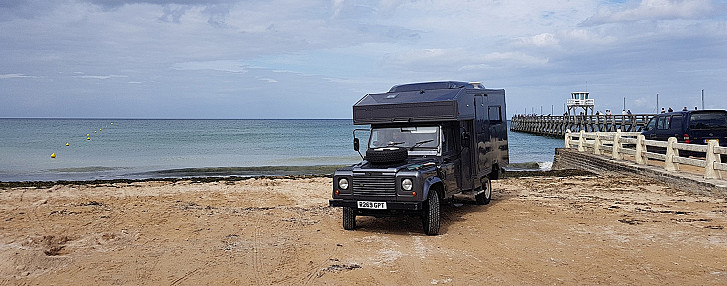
<point>657,103</point>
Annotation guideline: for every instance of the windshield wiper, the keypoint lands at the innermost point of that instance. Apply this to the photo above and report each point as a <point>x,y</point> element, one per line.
<point>394,143</point>
<point>420,143</point>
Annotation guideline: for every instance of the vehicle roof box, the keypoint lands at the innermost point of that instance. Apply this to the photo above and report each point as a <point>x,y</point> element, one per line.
<point>418,102</point>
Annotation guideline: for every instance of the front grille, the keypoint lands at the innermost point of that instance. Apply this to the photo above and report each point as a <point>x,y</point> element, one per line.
<point>374,185</point>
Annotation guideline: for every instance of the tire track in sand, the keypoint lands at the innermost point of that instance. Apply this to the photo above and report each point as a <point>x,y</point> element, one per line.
<point>257,249</point>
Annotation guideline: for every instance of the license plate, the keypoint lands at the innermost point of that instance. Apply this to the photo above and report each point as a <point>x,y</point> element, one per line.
<point>706,141</point>
<point>372,205</point>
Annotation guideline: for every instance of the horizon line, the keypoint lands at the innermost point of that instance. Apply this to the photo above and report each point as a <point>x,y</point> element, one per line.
<point>151,118</point>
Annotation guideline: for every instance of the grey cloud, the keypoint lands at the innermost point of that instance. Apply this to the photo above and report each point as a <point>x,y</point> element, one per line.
<point>656,10</point>
<point>119,3</point>
<point>173,14</point>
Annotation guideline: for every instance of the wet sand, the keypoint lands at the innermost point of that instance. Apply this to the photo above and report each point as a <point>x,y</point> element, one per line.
<point>537,230</point>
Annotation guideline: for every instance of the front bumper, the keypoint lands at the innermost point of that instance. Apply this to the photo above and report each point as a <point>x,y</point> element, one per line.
<point>409,206</point>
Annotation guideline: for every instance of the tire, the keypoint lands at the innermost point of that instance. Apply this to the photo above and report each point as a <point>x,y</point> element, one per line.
<point>484,197</point>
<point>386,155</point>
<point>430,215</point>
<point>349,218</point>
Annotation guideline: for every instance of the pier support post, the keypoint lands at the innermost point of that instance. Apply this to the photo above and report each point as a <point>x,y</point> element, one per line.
<point>597,144</point>
<point>582,141</point>
<point>669,164</point>
<point>568,138</point>
<point>709,172</point>
<point>640,156</point>
<point>616,152</point>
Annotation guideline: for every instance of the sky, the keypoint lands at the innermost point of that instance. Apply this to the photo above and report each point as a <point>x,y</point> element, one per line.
<point>315,59</point>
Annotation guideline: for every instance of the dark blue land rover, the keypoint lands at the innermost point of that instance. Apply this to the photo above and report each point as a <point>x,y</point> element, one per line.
<point>428,141</point>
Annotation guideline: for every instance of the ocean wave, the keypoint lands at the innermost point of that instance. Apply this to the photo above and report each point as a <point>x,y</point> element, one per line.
<point>241,171</point>
<point>90,169</point>
<point>530,166</point>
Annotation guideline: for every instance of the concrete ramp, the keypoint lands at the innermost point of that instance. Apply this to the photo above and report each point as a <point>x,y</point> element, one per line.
<point>568,158</point>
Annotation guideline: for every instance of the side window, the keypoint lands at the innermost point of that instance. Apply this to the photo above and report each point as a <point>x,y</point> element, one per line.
<point>448,139</point>
<point>661,124</point>
<point>494,113</point>
<point>652,124</point>
<point>676,122</point>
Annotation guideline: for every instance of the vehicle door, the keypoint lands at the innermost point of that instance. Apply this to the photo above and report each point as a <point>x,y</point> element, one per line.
<point>662,128</point>
<point>464,176</point>
<point>675,127</point>
<point>450,159</point>
<point>650,129</point>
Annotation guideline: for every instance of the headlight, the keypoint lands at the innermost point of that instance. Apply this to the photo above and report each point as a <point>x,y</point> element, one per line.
<point>407,184</point>
<point>343,183</point>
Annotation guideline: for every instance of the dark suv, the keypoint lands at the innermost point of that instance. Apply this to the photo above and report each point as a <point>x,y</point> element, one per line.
<point>691,127</point>
<point>428,142</point>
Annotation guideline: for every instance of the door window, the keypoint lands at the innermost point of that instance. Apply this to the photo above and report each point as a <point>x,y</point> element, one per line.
<point>494,114</point>
<point>662,123</point>
<point>652,124</point>
<point>676,122</point>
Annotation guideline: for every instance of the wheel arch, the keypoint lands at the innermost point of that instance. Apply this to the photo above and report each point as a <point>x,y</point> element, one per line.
<point>433,184</point>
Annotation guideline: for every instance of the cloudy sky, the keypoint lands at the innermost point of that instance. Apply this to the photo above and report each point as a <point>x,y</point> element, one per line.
<point>314,59</point>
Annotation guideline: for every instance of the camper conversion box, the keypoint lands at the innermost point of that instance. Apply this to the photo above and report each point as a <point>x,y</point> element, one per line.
<point>427,142</point>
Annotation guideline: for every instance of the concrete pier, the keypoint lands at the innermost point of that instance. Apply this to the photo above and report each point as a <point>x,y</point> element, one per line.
<point>557,125</point>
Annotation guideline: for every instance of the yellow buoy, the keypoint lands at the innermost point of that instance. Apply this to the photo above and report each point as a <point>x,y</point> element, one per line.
<point>94,132</point>
<point>88,134</point>
<point>53,155</point>
<point>100,129</point>
<point>112,123</point>
<point>88,138</point>
<point>67,144</point>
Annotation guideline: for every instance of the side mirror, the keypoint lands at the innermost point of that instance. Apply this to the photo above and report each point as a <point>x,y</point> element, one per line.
<point>356,144</point>
<point>465,139</point>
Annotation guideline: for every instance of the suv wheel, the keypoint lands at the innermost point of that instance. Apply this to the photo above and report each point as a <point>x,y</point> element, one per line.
<point>485,196</point>
<point>430,217</point>
<point>349,218</point>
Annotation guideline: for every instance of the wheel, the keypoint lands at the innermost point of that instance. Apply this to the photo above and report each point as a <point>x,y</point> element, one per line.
<point>485,196</point>
<point>430,216</point>
<point>349,218</point>
<point>386,155</point>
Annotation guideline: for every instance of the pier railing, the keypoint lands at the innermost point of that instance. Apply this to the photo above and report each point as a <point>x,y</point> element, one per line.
<point>558,125</point>
<point>618,144</point>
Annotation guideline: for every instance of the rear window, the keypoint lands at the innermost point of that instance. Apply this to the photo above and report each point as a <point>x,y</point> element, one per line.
<point>708,120</point>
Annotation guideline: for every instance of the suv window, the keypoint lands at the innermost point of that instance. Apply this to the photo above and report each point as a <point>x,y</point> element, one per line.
<point>662,123</point>
<point>652,124</point>
<point>708,120</point>
<point>676,122</point>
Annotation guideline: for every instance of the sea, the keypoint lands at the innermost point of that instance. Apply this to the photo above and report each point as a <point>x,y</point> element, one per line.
<point>106,149</point>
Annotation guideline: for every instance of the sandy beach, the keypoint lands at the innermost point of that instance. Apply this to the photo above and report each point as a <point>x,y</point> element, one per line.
<point>262,231</point>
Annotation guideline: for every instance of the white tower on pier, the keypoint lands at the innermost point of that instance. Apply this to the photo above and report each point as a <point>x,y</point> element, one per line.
<point>579,99</point>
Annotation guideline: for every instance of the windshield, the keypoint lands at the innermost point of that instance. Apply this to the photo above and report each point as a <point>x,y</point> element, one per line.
<point>413,138</point>
<point>708,120</point>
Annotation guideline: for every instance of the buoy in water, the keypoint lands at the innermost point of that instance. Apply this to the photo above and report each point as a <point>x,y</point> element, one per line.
<point>53,155</point>
<point>94,132</point>
<point>112,123</point>
<point>88,138</point>
<point>68,144</point>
